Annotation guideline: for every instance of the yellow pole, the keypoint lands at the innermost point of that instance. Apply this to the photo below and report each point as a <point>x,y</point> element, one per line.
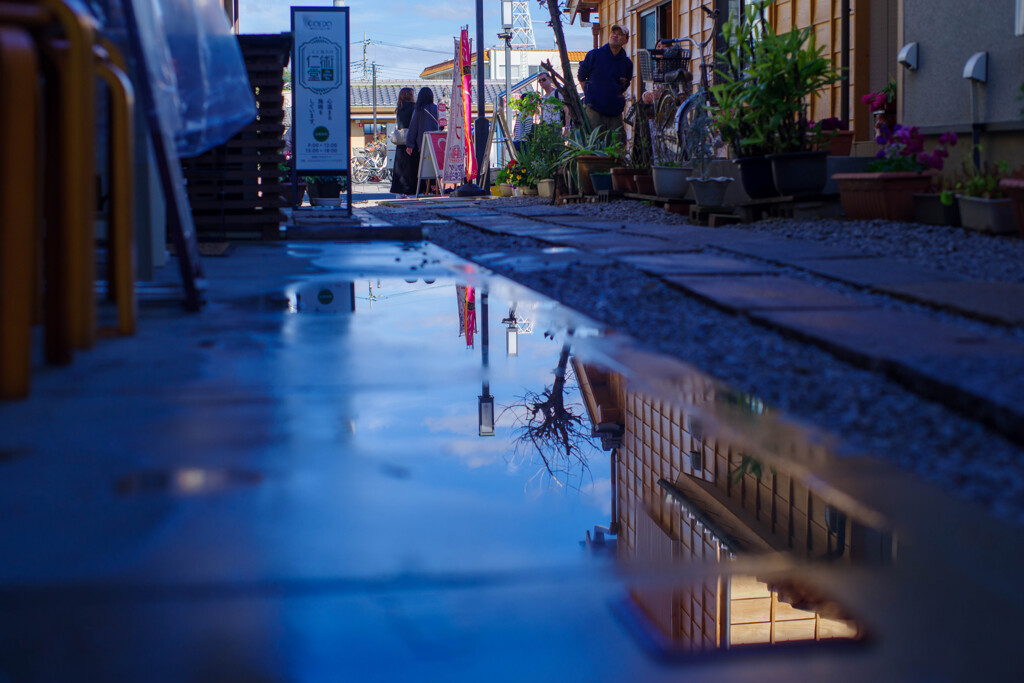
<point>19,69</point>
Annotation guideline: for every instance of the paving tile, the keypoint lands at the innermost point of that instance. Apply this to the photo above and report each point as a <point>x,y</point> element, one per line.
<point>787,250</point>
<point>1001,302</point>
<point>869,272</point>
<point>885,334</point>
<point>541,211</point>
<point>749,293</point>
<point>704,263</point>
<point>534,260</point>
<point>614,243</point>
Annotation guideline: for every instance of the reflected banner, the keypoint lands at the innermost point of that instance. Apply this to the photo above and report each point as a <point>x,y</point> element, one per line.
<point>320,88</point>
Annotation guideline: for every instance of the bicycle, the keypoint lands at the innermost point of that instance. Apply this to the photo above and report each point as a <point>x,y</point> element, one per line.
<point>370,165</point>
<point>677,107</point>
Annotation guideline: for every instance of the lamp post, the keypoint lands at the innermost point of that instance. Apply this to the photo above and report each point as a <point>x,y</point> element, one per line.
<point>485,402</point>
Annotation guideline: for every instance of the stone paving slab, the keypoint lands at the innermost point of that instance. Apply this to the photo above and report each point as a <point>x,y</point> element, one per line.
<point>614,243</point>
<point>542,259</point>
<point>788,250</point>
<point>531,211</point>
<point>885,334</point>
<point>1001,302</point>
<point>703,263</point>
<point>869,272</point>
<point>752,293</point>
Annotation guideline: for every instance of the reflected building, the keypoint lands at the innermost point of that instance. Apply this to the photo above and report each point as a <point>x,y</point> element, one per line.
<point>684,491</point>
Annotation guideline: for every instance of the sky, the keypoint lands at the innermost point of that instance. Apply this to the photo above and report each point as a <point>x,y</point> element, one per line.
<point>408,35</point>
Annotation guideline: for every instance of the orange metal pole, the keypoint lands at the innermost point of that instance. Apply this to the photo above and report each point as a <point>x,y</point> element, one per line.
<point>19,69</point>
<point>121,277</point>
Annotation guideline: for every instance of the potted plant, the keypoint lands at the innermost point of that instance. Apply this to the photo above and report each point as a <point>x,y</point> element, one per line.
<point>669,171</point>
<point>833,134</point>
<point>538,157</point>
<point>700,148</point>
<point>1014,189</point>
<point>586,153</point>
<point>984,206</point>
<point>883,105</point>
<point>325,187</point>
<point>766,82</point>
<point>901,168</point>
<point>938,206</point>
<point>502,178</point>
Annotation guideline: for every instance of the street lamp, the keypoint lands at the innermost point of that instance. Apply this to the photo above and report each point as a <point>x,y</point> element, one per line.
<point>485,402</point>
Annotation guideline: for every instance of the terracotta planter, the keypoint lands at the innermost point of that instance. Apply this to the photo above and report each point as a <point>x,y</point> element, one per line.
<point>644,183</point>
<point>888,196</point>
<point>840,144</point>
<point>1014,189</point>
<point>622,180</point>
<point>993,216</point>
<point>592,163</point>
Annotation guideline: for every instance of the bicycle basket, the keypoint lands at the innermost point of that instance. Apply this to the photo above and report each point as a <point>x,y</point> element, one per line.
<point>674,58</point>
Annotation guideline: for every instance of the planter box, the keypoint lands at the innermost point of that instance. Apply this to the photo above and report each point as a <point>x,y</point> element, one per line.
<point>799,174</point>
<point>841,143</point>
<point>644,183</point>
<point>671,181</point>
<point>622,180</point>
<point>929,209</point>
<point>591,163</point>
<point>1014,189</point>
<point>987,215</point>
<point>888,196</point>
<point>710,192</point>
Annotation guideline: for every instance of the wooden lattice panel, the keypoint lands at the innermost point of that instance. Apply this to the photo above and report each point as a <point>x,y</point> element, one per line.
<point>234,189</point>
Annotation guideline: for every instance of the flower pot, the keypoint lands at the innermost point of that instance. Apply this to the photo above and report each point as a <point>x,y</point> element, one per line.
<point>799,174</point>
<point>546,187</point>
<point>670,181</point>
<point>506,189</point>
<point>495,191</point>
<point>529,191</point>
<point>886,195</point>
<point>601,181</point>
<point>325,190</point>
<point>886,117</point>
<point>622,180</point>
<point>987,215</point>
<point>710,192</point>
<point>644,183</point>
<point>1014,189</point>
<point>841,143</point>
<point>286,192</point>
<point>591,163</point>
<point>517,192</point>
<point>929,209</point>
<point>756,177</point>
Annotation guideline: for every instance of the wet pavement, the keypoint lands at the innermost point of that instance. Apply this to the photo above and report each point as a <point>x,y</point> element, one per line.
<point>298,484</point>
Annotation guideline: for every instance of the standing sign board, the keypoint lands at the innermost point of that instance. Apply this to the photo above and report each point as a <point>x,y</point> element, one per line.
<point>320,92</point>
<point>433,159</point>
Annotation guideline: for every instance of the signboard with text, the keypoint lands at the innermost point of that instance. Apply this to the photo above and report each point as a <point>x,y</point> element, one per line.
<point>320,88</point>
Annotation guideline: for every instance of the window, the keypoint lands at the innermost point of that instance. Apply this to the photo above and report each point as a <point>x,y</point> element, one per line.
<point>655,24</point>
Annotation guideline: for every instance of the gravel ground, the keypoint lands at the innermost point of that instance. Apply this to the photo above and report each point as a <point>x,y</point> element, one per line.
<point>870,412</point>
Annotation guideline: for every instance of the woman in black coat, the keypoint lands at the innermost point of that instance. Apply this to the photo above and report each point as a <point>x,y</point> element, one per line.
<point>403,177</point>
<point>424,120</point>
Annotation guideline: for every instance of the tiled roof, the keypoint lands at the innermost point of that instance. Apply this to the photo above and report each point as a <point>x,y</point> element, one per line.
<point>361,92</point>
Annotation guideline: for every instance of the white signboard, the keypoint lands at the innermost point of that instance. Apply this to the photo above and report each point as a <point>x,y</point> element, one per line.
<point>320,88</point>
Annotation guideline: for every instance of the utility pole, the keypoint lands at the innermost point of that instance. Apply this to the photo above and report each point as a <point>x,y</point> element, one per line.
<point>374,65</point>
<point>366,44</point>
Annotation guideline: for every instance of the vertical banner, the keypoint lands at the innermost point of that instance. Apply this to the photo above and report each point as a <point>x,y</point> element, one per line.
<point>455,147</point>
<point>466,52</point>
<point>320,89</point>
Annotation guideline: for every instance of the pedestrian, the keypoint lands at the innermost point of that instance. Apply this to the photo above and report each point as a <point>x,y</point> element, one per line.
<point>605,74</point>
<point>522,129</point>
<point>403,178</point>
<point>424,120</point>
<point>550,113</point>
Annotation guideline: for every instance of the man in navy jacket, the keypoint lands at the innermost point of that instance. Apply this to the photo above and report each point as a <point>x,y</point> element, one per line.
<point>605,74</point>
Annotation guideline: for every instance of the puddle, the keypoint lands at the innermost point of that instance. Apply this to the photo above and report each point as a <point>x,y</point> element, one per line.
<point>186,481</point>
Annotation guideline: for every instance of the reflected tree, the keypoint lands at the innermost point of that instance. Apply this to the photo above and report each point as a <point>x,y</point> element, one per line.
<point>545,424</point>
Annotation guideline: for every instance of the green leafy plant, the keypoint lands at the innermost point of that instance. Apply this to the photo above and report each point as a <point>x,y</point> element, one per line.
<point>701,141</point>
<point>539,153</point>
<point>766,80</point>
<point>324,179</point>
<point>598,142</point>
<point>983,181</point>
